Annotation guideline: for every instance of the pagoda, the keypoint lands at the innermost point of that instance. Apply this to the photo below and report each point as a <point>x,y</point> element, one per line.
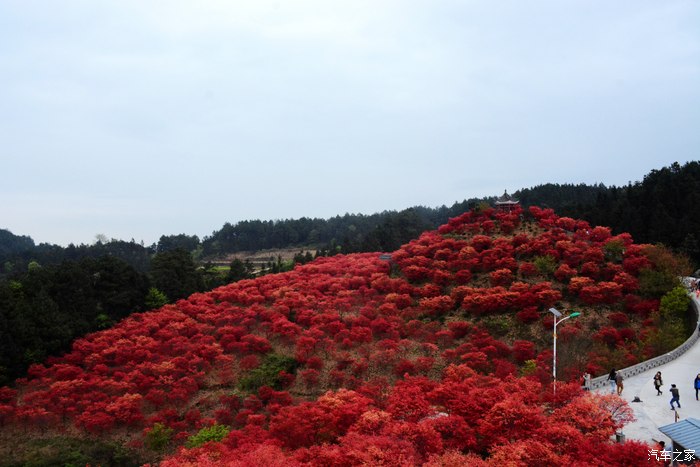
<point>506,202</point>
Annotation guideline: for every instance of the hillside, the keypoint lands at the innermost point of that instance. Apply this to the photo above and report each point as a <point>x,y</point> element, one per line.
<point>440,355</point>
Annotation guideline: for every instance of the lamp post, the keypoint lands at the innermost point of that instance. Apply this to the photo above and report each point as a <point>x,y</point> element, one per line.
<point>557,314</point>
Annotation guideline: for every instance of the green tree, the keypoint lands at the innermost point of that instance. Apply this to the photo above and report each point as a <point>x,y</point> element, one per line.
<point>239,270</point>
<point>158,437</point>
<point>690,246</point>
<point>43,310</point>
<point>175,274</point>
<point>118,288</point>
<point>11,244</point>
<point>155,298</point>
<point>663,276</point>
<point>672,315</point>
<point>102,321</point>
<point>33,266</point>
<point>173,242</point>
<point>675,303</point>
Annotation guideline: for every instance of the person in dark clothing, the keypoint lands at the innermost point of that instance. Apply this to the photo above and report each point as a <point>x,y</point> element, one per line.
<point>612,378</point>
<point>658,382</point>
<point>675,396</point>
<point>696,385</point>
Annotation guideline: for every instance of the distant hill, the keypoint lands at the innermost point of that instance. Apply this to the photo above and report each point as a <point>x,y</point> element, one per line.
<point>662,208</point>
<point>440,354</point>
<point>11,244</point>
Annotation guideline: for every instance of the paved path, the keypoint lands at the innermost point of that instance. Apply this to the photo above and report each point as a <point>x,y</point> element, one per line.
<point>655,411</point>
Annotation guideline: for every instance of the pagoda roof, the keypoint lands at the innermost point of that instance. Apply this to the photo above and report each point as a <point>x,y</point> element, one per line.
<point>506,199</point>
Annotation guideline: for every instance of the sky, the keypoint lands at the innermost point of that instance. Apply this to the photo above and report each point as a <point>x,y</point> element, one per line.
<point>135,119</point>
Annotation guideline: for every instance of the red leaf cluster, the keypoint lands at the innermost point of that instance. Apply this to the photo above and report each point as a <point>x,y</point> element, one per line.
<point>417,380</point>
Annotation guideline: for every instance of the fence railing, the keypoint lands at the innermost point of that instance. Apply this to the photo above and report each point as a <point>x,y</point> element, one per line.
<point>601,381</point>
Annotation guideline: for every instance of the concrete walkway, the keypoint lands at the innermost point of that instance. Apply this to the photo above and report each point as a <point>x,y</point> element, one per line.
<point>655,411</point>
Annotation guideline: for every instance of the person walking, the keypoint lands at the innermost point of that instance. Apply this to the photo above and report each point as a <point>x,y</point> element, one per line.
<point>658,382</point>
<point>675,396</point>
<point>618,383</point>
<point>612,380</point>
<point>586,381</point>
<point>696,385</point>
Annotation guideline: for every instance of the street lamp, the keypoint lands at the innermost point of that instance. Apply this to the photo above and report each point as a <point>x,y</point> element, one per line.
<point>557,314</point>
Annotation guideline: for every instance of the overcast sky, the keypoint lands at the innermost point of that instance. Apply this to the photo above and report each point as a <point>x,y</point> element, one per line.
<point>135,119</point>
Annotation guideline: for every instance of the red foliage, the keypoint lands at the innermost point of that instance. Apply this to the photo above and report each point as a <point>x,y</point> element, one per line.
<point>602,292</point>
<point>600,234</point>
<point>359,322</point>
<point>408,400</point>
<point>528,315</point>
<point>481,242</point>
<point>528,269</point>
<point>590,269</point>
<point>523,350</point>
<point>639,306</point>
<point>609,336</point>
<point>618,319</point>
<point>634,264</point>
<point>501,277</point>
<point>628,282</point>
<point>564,272</point>
<point>437,305</point>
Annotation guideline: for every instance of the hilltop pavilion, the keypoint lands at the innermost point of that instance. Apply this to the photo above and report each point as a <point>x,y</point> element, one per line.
<point>506,202</point>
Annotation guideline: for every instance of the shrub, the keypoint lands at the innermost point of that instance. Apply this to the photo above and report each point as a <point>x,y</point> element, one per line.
<point>158,437</point>
<point>528,315</point>
<point>564,273</point>
<point>546,265</point>
<point>501,277</point>
<point>675,303</point>
<point>529,368</point>
<point>614,250</point>
<point>155,298</point>
<point>654,284</point>
<point>212,433</point>
<point>618,319</point>
<point>672,311</point>
<point>269,373</point>
<point>498,325</point>
<point>523,351</point>
<point>527,269</point>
